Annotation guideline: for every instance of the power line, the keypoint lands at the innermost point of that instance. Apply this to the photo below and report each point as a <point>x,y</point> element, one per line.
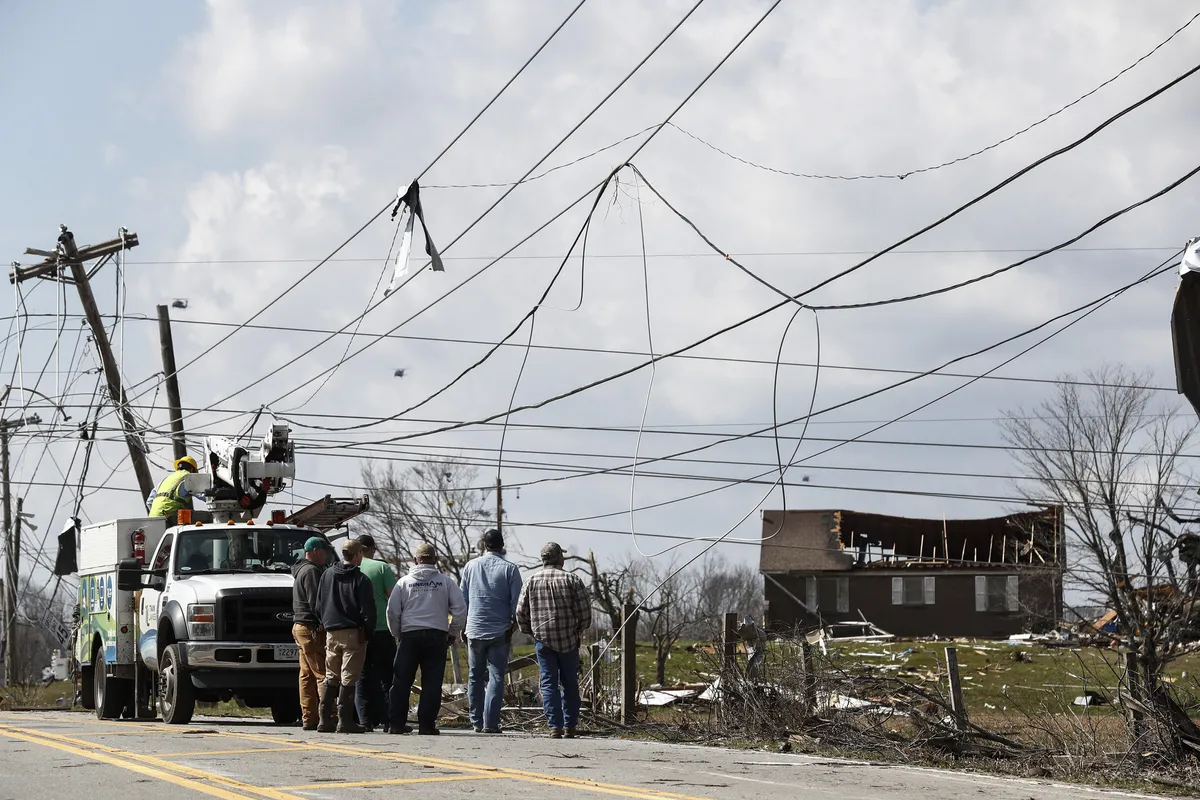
<point>698,254</point>
<point>620,352</point>
<point>902,175</point>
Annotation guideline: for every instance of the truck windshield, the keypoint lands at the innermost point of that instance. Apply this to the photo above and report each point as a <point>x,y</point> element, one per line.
<point>213,550</point>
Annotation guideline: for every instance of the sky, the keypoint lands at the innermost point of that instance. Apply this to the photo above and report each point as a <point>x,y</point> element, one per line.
<point>245,141</point>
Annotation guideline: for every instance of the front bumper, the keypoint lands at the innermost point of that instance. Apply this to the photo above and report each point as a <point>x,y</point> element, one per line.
<point>240,656</point>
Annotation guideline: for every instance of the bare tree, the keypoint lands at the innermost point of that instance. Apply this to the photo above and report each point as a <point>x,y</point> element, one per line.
<point>1111,457</point>
<point>438,501</point>
<point>722,587</point>
<point>669,609</point>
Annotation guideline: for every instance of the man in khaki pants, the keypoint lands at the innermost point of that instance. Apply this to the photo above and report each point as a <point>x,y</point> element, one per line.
<point>307,630</point>
<point>346,605</point>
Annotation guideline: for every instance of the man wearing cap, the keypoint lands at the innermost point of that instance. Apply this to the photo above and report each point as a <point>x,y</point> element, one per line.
<point>172,493</point>
<point>307,630</point>
<point>491,586</point>
<point>425,613</point>
<point>376,680</point>
<point>346,606</point>
<point>554,608</point>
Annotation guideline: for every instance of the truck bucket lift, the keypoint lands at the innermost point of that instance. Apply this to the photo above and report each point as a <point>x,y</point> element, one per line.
<point>329,512</point>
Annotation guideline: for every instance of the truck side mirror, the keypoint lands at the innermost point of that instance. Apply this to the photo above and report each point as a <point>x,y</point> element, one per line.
<point>157,580</point>
<point>129,575</point>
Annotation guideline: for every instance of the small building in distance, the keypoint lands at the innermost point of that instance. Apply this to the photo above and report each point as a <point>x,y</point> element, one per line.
<point>986,578</point>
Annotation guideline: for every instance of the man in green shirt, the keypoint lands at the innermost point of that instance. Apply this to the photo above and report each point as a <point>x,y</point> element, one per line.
<point>376,681</point>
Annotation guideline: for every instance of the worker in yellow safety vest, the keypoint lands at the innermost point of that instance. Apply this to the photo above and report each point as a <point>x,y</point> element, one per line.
<point>172,494</point>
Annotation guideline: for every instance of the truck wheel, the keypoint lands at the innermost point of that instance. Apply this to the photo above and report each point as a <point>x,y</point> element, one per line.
<point>176,696</point>
<point>110,694</point>
<point>285,710</point>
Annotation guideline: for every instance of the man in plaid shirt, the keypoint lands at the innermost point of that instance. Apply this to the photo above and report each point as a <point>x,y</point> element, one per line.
<point>554,608</point>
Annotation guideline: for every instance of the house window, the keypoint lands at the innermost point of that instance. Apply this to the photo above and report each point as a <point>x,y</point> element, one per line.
<point>913,590</point>
<point>997,593</point>
<point>830,594</point>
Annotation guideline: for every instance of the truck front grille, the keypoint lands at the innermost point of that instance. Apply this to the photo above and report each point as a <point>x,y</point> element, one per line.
<point>255,617</point>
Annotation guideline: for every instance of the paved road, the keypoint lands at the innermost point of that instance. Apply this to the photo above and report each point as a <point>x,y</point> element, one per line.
<point>63,755</point>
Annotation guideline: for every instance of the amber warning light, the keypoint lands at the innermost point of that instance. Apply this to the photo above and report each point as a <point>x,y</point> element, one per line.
<point>277,516</point>
<point>184,516</point>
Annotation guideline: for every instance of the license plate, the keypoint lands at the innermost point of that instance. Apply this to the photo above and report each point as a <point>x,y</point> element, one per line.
<point>287,652</point>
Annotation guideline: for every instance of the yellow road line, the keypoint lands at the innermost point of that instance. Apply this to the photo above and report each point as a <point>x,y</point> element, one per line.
<point>498,772</point>
<point>246,789</point>
<point>187,783</point>
<point>195,753</point>
<point>392,782</point>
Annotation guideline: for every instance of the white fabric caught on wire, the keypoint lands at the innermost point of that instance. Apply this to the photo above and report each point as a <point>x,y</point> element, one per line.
<point>402,255</point>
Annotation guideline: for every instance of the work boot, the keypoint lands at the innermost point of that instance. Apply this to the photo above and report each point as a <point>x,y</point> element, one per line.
<point>329,699</point>
<point>346,721</point>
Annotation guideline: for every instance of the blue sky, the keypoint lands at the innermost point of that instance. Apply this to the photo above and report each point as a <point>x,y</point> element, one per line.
<point>243,141</point>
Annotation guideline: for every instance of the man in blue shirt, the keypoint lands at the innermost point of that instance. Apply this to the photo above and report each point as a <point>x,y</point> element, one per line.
<point>491,586</point>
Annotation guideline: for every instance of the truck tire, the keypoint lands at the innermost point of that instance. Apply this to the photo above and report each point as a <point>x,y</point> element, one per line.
<point>110,694</point>
<point>176,696</point>
<point>285,710</point>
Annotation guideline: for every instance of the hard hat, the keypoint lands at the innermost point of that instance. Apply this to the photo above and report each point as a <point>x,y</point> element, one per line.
<point>188,461</point>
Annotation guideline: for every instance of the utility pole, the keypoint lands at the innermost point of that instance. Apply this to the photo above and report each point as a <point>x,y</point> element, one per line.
<point>173,403</point>
<point>12,550</point>
<point>66,254</point>
<point>499,505</point>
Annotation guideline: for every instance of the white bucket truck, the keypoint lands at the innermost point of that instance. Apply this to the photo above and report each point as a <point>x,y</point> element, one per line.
<point>200,610</point>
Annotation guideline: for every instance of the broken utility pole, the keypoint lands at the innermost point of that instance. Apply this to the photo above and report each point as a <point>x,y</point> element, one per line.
<point>67,255</point>
<point>168,361</point>
<point>12,551</point>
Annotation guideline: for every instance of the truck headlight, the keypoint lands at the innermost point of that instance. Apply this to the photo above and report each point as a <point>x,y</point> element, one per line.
<point>201,621</point>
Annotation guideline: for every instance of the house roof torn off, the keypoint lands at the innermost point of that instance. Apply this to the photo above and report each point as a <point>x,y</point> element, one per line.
<point>832,540</point>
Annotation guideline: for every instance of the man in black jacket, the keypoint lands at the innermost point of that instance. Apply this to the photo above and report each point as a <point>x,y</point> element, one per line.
<point>307,630</point>
<point>346,606</point>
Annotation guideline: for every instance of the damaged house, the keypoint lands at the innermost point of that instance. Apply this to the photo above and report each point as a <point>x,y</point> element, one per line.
<point>986,578</point>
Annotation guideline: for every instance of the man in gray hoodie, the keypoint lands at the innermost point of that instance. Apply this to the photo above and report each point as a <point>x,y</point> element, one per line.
<point>425,613</point>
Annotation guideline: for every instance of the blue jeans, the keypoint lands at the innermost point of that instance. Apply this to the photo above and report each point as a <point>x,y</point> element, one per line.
<point>489,664</point>
<point>559,668</point>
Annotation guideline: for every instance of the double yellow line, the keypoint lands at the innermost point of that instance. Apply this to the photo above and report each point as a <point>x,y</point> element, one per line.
<point>156,766</point>
<point>150,766</point>
<point>476,770</point>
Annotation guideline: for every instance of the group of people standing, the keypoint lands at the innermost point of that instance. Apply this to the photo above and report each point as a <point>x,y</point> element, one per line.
<point>363,635</point>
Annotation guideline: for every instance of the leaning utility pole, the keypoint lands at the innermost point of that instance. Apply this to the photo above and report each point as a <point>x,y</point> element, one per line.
<point>172,380</point>
<point>66,254</point>
<point>12,550</point>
